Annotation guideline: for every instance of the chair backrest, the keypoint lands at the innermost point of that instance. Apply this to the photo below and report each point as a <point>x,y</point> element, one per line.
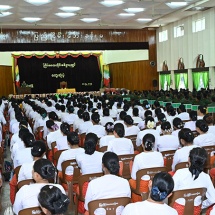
<point>133,140</point>
<point>189,195</point>
<point>126,160</point>
<point>110,205</point>
<point>86,178</point>
<point>103,149</point>
<point>208,164</point>
<point>168,156</point>
<point>181,165</point>
<point>53,144</point>
<point>63,84</point>
<point>82,139</point>
<point>40,132</point>
<point>29,211</point>
<point>57,155</point>
<point>76,172</point>
<point>25,182</point>
<point>16,171</point>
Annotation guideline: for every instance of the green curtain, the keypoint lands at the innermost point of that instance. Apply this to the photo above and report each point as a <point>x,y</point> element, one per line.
<point>168,79</point>
<point>205,78</point>
<point>177,80</point>
<point>185,80</point>
<point>196,79</point>
<point>162,81</point>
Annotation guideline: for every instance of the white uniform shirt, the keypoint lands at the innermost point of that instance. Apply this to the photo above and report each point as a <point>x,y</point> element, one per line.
<point>184,116</point>
<point>146,160</point>
<point>27,196</point>
<point>167,142</point>
<point>132,130</point>
<point>136,119</point>
<point>175,133</point>
<point>211,129</point>
<point>99,130</point>
<point>206,139</point>
<point>107,186</point>
<point>61,143</point>
<point>141,134</point>
<point>149,208</point>
<point>104,141</point>
<point>68,155</point>
<point>76,123</point>
<point>184,180</point>
<point>90,163</point>
<point>182,155</point>
<point>106,119</point>
<point>25,171</point>
<point>121,146</point>
<point>53,136</point>
<point>69,118</point>
<point>84,126</point>
<point>191,125</point>
<point>22,156</point>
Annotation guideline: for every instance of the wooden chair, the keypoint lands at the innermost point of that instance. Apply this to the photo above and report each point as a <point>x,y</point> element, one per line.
<point>29,211</point>
<point>168,156</point>
<point>189,195</point>
<point>82,139</point>
<point>208,164</point>
<point>148,171</point>
<point>57,155</point>
<point>110,205</point>
<point>71,127</point>
<point>126,160</point>
<point>103,149</point>
<point>39,133</point>
<point>16,171</point>
<point>133,140</point>
<point>82,179</point>
<point>63,84</point>
<point>76,175</point>
<point>53,144</point>
<point>25,182</point>
<point>181,165</point>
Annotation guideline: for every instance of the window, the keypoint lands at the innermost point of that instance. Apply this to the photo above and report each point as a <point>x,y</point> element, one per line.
<point>179,31</point>
<point>199,25</point>
<point>163,36</point>
<point>201,84</point>
<point>181,83</point>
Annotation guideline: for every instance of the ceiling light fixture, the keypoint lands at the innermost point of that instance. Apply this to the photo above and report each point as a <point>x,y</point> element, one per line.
<point>70,9</point>
<point>126,14</point>
<point>109,3</point>
<point>134,10</point>
<point>89,20</point>
<point>65,15</point>
<point>38,2</point>
<point>2,14</point>
<point>174,5</point>
<point>31,19</point>
<point>5,7</point>
<point>144,19</point>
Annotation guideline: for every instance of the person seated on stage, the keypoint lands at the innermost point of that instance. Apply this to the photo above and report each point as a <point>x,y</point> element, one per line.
<point>130,129</point>
<point>104,141</point>
<point>177,126</point>
<point>97,129</point>
<point>69,117</point>
<point>52,200</point>
<point>86,124</point>
<point>79,120</point>
<point>106,117</point>
<point>191,124</point>
<point>120,145</point>
<point>194,177</point>
<point>146,159</point>
<point>161,188</point>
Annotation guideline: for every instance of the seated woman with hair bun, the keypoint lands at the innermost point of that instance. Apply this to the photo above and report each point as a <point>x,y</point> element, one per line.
<point>146,159</point>
<point>191,124</point>
<point>26,197</point>
<point>52,201</point>
<point>177,126</point>
<point>161,188</point>
<point>130,129</point>
<point>104,141</point>
<point>201,111</point>
<point>61,142</point>
<point>208,118</point>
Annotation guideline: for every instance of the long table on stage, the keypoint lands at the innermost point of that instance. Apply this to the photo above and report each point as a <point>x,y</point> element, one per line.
<point>66,90</point>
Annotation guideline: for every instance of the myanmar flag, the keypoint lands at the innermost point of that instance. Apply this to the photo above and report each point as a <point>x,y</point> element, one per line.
<point>17,79</point>
<point>106,76</point>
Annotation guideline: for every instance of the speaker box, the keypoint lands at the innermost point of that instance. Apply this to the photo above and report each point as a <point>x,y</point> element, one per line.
<point>154,83</point>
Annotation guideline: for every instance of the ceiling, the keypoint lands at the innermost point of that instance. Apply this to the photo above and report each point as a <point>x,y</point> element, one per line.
<point>157,10</point>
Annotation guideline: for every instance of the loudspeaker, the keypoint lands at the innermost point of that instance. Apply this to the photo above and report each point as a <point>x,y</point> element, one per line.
<point>155,83</point>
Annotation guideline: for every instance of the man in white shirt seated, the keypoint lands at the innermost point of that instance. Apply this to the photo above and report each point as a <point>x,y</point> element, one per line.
<point>182,114</point>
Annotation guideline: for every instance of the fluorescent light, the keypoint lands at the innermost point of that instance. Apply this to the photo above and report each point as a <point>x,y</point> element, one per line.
<point>88,20</point>
<point>5,7</point>
<point>144,19</point>
<point>38,2</point>
<point>31,19</point>
<point>65,15</point>
<point>2,14</point>
<point>126,14</point>
<point>111,3</point>
<point>134,10</point>
<point>174,5</point>
<point>70,9</point>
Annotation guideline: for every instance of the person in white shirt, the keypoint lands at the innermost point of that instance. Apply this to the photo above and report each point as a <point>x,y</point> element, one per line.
<point>171,114</point>
<point>130,128</point>
<point>106,117</point>
<point>194,177</point>
<point>69,117</point>
<point>161,118</point>
<point>161,188</point>
<point>186,138</point>
<point>86,124</point>
<point>78,121</point>
<point>90,161</point>
<point>167,141</point>
<point>146,106</point>
<point>142,124</point>
<point>191,124</point>
<point>97,129</point>
<point>208,118</point>
<point>182,114</point>
<point>41,121</point>
<point>135,116</point>
<point>52,200</point>
<point>204,138</point>
<point>177,126</point>
<point>104,141</point>
<point>27,196</point>
<point>120,145</point>
<point>201,111</point>
<point>110,185</point>
<point>149,124</point>
<point>61,142</point>
<point>147,159</point>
